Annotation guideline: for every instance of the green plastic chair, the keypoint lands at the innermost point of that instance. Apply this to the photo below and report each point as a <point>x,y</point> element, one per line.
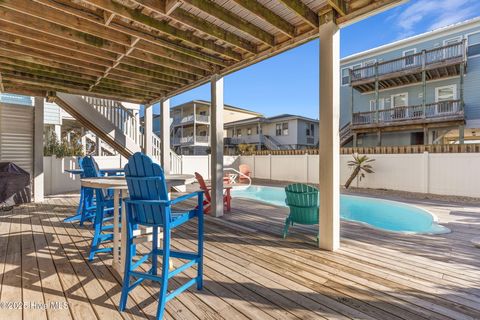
<point>303,202</point>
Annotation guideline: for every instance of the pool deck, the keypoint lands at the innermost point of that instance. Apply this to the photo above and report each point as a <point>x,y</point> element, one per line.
<point>250,271</point>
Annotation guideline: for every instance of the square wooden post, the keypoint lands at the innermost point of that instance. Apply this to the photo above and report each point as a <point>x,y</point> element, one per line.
<point>165,134</point>
<point>38,179</point>
<point>216,136</point>
<point>148,130</point>
<point>329,143</point>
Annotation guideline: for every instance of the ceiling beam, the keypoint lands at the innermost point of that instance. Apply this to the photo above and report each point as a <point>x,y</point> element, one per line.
<point>137,16</point>
<point>108,17</point>
<point>228,17</point>
<point>263,12</point>
<point>303,11</point>
<point>374,7</point>
<point>170,5</point>
<point>340,6</point>
<point>152,38</point>
<point>38,10</point>
<point>200,24</point>
<point>2,88</point>
<point>47,27</point>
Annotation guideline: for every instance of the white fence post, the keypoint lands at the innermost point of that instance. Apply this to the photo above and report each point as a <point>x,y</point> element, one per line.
<point>426,172</point>
<point>253,166</point>
<point>269,167</point>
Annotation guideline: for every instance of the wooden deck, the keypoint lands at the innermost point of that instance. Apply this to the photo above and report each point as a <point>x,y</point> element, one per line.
<point>250,272</point>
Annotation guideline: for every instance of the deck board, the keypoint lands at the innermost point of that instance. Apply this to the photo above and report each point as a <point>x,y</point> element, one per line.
<point>250,271</point>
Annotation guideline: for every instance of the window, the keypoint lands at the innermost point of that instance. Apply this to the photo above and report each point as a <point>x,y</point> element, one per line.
<point>203,113</point>
<point>239,132</point>
<point>278,129</point>
<point>446,93</point>
<point>400,100</point>
<point>310,129</point>
<point>373,106</point>
<point>409,57</point>
<point>249,131</point>
<point>473,45</point>
<point>285,129</point>
<point>346,74</point>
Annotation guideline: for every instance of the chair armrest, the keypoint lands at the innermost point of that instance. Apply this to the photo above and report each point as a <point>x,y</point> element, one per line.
<point>187,196</point>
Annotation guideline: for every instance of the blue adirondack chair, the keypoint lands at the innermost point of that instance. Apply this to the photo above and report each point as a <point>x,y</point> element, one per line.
<point>149,205</point>
<point>103,205</point>
<point>86,206</point>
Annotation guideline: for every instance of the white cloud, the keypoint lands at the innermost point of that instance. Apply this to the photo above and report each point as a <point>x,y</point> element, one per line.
<point>432,13</point>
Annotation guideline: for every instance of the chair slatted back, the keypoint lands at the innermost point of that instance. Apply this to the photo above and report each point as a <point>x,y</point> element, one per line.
<point>146,181</point>
<point>203,186</point>
<point>90,170</point>
<point>303,202</point>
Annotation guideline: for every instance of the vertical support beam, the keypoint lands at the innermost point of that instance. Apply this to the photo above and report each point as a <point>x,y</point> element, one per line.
<point>148,130</point>
<point>216,135</point>
<point>352,109</point>
<point>377,94</point>
<point>379,138</point>
<point>424,84</point>
<point>461,134</point>
<point>83,141</point>
<point>194,124</point>
<point>425,135</point>
<point>98,146</point>
<point>38,192</point>
<point>259,130</point>
<point>462,80</point>
<point>165,134</point>
<point>329,143</point>
<point>58,132</point>
<point>355,137</point>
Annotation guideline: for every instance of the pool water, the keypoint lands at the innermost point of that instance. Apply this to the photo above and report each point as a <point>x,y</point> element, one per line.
<point>382,214</point>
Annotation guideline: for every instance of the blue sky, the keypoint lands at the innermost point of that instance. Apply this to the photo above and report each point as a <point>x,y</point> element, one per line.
<point>288,83</point>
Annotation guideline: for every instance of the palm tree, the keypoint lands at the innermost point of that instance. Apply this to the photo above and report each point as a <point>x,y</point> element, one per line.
<point>361,166</point>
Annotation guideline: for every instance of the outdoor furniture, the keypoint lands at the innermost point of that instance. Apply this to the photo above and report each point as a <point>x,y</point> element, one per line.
<point>118,185</point>
<point>303,202</point>
<point>208,199</point>
<point>245,172</point>
<point>149,206</point>
<point>85,205</point>
<point>104,202</point>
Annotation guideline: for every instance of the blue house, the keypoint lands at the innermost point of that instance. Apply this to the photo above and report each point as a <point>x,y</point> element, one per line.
<point>420,90</point>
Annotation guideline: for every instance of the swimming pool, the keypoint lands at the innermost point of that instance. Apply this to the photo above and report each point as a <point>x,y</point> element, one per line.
<point>382,214</point>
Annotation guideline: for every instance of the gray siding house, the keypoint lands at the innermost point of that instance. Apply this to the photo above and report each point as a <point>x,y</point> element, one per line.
<point>420,90</point>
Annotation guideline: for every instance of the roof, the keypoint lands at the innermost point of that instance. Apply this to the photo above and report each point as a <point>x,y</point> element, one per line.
<point>226,106</point>
<point>457,27</point>
<point>281,117</point>
<point>144,51</point>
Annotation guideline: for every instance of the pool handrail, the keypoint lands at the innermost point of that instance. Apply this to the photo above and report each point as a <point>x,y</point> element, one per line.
<point>240,174</point>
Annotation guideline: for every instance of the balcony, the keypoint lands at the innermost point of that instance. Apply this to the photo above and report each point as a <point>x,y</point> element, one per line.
<point>438,63</point>
<point>188,119</point>
<point>189,141</point>
<point>446,111</point>
<point>249,139</point>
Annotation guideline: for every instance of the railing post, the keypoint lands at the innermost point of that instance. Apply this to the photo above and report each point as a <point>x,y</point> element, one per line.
<point>424,83</point>
<point>377,95</point>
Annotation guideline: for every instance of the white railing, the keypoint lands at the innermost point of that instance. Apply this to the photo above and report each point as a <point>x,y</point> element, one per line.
<point>189,140</point>
<point>122,118</point>
<point>453,52</point>
<point>255,138</point>
<point>452,108</point>
<point>176,163</point>
<point>202,118</point>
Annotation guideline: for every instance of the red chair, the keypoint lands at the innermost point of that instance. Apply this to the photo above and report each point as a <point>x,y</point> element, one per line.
<point>208,199</point>
<point>245,170</point>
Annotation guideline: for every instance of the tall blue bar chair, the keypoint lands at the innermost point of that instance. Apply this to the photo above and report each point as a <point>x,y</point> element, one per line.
<point>103,231</point>
<point>149,206</point>
<point>86,207</point>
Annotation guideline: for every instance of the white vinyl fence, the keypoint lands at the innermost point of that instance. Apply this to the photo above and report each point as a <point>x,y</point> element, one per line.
<point>455,174</point>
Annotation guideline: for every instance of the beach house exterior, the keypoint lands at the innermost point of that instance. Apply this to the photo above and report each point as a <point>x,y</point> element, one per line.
<point>282,132</point>
<point>190,125</point>
<point>420,90</point>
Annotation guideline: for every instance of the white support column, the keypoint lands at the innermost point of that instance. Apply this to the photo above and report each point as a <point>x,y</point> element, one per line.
<point>38,192</point>
<point>216,135</point>
<point>148,130</point>
<point>329,229</point>
<point>165,134</point>
<point>98,146</point>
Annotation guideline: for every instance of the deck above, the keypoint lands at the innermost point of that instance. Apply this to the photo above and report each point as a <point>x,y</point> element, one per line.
<point>434,114</point>
<point>438,63</point>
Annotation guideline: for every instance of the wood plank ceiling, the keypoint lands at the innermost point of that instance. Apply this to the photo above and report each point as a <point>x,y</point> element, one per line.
<point>143,50</point>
